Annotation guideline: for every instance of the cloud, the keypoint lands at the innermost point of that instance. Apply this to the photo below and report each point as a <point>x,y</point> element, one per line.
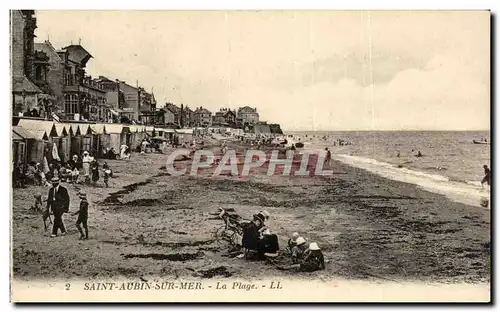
<point>442,95</point>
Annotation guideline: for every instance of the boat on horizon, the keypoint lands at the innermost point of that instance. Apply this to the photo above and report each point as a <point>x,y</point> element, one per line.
<point>480,142</point>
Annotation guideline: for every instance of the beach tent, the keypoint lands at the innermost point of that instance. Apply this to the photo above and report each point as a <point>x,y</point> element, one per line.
<point>138,133</point>
<point>100,137</point>
<point>117,135</point>
<point>45,133</point>
<point>22,140</point>
<point>39,126</point>
<point>185,135</point>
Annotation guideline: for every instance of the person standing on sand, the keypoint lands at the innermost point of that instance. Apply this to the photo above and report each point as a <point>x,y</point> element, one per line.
<point>86,160</point>
<point>83,214</point>
<point>487,176</point>
<point>58,202</point>
<point>328,158</point>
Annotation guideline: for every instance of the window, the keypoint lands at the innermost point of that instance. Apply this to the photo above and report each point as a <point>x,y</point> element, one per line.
<point>86,143</point>
<point>71,103</point>
<point>38,73</point>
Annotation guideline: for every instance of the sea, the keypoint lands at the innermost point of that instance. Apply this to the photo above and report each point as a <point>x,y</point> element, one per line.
<point>450,164</point>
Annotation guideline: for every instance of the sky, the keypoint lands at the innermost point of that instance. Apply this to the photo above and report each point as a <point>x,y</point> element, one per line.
<point>307,70</point>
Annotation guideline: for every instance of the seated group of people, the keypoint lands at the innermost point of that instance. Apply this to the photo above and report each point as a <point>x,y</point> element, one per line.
<point>259,243</point>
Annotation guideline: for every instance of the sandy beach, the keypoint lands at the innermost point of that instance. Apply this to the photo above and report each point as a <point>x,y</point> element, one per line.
<point>150,224</point>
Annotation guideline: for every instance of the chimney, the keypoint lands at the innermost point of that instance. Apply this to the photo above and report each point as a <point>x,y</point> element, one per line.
<point>181,120</point>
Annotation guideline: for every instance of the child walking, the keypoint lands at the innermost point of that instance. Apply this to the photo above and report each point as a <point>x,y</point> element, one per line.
<point>83,214</point>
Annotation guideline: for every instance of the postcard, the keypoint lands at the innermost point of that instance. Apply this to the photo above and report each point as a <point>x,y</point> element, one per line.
<point>250,156</point>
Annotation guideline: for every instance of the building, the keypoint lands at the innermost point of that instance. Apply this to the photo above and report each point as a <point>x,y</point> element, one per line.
<point>202,117</point>
<point>130,109</point>
<point>24,91</point>
<point>84,97</point>
<point>224,117</point>
<point>218,119</point>
<point>55,77</point>
<point>175,110</point>
<point>114,98</point>
<point>147,105</point>
<point>230,117</point>
<point>169,117</point>
<point>248,115</point>
<point>187,116</point>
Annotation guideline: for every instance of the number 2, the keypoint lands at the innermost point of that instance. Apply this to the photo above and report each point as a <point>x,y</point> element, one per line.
<point>67,286</point>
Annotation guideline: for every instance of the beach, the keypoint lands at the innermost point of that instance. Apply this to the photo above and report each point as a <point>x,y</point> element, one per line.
<point>151,224</point>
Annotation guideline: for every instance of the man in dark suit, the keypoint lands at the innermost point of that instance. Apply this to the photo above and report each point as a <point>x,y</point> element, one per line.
<point>58,202</point>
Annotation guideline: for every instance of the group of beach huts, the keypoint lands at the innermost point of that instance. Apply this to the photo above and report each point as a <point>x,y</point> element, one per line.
<point>34,139</point>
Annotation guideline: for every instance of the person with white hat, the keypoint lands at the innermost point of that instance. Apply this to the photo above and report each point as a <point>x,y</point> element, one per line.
<point>313,259</point>
<point>299,249</point>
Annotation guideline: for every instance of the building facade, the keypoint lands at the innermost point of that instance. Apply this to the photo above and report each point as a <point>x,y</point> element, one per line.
<point>130,108</point>
<point>202,117</point>
<point>24,91</point>
<point>84,97</point>
<point>248,115</point>
<point>218,119</point>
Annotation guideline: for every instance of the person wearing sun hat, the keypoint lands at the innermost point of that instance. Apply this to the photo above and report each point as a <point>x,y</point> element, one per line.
<point>313,259</point>
<point>58,202</point>
<point>299,249</point>
<point>251,236</point>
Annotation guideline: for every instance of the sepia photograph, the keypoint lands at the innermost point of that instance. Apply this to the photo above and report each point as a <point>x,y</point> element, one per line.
<point>250,156</point>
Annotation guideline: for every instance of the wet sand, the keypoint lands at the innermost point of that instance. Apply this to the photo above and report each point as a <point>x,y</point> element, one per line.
<point>150,224</point>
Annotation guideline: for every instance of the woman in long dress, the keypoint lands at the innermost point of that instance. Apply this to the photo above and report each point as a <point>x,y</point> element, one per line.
<point>86,160</point>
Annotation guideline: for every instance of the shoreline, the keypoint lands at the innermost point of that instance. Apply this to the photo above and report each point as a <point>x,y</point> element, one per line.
<point>465,193</point>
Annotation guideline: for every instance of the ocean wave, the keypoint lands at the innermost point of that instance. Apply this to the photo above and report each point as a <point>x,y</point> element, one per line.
<point>467,192</point>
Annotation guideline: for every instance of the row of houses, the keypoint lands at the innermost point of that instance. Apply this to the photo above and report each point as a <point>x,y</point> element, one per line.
<point>201,117</point>
<point>33,139</point>
<point>53,84</point>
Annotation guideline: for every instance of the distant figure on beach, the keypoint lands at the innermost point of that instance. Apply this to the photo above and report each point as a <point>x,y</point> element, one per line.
<point>398,155</point>
<point>419,154</point>
<point>487,176</point>
<point>328,158</point>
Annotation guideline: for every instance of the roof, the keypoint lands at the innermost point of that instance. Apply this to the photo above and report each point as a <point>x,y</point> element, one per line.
<point>23,132</point>
<point>173,108</point>
<point>20,84</point>
<point>85,129</point>
<point>137,128</point>
<point>247,109</point>
<point>185,131</point>
<point>202,111</point>
<point>61,129</point>
<point>47,47</point>
<point>98,129</point>
<point>16,137</point>
<point>117,128</point>
<point>39,125</point>
<point>75,128</point>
